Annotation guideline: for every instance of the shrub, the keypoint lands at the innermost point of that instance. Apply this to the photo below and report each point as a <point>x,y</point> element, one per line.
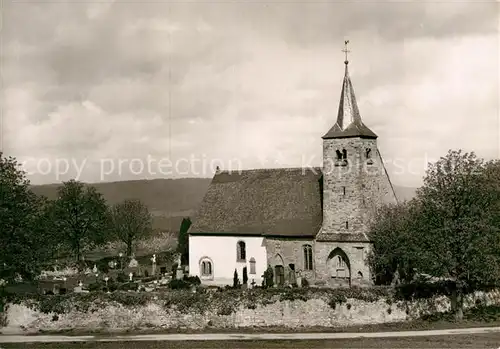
<point>423,289</point>
<point>226,308</point>
<point>112,286</point>
<point>176,284</point>
<point>336,299</point>
<point>121,277</point>
<point>293,294</point>
<point>193,280</point>
<point>305,283</point>
<point>131,299</point>
<point>95,287</point>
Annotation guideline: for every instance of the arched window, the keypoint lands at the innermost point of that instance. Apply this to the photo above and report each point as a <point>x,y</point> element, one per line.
<point>368,153</point>
<point>344,154</point>
<point>252,266</point>
<point>341,264</point>
<point>241,253</point>
<point>206,268</point>
<point>369,156</point>
<point>308,257</point>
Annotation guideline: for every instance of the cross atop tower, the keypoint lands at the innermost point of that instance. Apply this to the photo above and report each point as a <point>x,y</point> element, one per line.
<point>346,51</point>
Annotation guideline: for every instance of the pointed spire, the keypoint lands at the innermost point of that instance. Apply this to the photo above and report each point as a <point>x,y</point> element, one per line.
<point>349,122</point>
<point>348,108</point>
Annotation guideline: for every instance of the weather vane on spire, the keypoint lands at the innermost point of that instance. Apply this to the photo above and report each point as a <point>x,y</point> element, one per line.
<point>345,50</point>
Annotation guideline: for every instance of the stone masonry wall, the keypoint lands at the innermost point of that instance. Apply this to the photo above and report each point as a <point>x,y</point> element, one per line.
<point>291,314</point>
<point>285,251</point>
<point>351,194</point>
<point>361,183</point>
<point>356,253</point>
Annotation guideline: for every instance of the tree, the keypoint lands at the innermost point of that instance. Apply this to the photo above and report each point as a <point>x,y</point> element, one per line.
<point>451,229</point>
<point>81,218</point>
<point>183,240</point>
<point>236,279</point>
<point>459,236</point>
<point>24,241</point>
<point>245,276</point>
<point>131,221</point>
<point>393,250</point>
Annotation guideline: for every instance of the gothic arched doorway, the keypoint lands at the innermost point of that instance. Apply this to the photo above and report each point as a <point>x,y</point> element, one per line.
<point>339,265</point>
<point>279,270</point>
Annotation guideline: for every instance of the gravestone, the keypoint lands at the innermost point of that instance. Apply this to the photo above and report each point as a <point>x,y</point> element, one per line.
<point>395,280</point>
<point>299,278</point>
<point>153,262</point>
<point>79,288</point>
<point>178,258</point>
<point>133,263</point>
<point>179,273</point>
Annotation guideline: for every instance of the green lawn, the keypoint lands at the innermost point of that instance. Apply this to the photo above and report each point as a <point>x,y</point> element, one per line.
<point>490,341</point>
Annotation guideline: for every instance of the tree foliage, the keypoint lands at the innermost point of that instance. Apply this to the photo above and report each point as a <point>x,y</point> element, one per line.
<point>131,221</point>
<point>245,276</point>
<point>450,230</point>
<point>183,240</point>
<point>236,279</point>
<point>24,242</point>
<point>81,218</point>
<point>393,248</point>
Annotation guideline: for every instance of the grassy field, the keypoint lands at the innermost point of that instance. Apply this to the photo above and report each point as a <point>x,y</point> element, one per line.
<point>417,325</point>
<point>490,341</point>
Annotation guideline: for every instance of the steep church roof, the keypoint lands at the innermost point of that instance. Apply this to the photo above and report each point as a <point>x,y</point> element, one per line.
<point>280,202</point>
<point>276,202</point>
<point>349,123</point>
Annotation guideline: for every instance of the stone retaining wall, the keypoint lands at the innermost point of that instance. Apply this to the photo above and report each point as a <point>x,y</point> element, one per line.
<point>290,314</point>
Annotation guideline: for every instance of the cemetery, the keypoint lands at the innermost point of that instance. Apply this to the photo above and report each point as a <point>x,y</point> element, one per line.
<point>156,293</point>
<point>145,273</point>
<point>53,280</point>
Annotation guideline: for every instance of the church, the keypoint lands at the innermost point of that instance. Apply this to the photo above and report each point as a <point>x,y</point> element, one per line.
<point>307,222</point>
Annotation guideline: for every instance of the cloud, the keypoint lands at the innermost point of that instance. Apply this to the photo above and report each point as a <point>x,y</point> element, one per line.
<point>255,82</point>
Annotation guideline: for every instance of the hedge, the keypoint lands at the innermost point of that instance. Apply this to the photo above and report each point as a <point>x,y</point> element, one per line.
<point>223,301</point>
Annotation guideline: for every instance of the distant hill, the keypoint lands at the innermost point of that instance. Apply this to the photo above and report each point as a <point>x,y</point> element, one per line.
<point>169,200</point>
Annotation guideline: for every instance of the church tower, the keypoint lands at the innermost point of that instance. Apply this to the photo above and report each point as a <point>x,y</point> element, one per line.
<point>355,182</point>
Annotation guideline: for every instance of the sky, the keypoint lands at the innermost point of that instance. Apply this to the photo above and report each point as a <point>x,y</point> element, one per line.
<point>119,90</point>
